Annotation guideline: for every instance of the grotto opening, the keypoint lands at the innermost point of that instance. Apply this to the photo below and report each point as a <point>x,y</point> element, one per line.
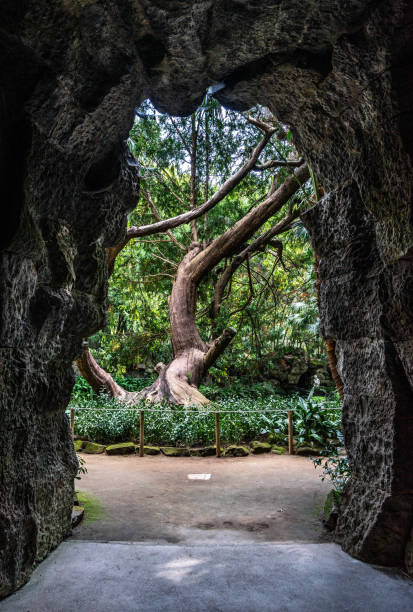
<point>72,74</point>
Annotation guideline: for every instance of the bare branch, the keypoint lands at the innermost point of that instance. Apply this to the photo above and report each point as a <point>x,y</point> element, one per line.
<point>227,243</point>
<point>168,261</point>
<point>218,196</point>
<point>218,347</point>
<point>158,218</point>
<point>258,244</point>
<point>278,163</point>
<point>265,127</point>
<point>243,307</point>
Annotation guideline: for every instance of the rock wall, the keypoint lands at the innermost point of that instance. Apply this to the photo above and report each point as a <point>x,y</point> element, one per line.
<point>72,72</point>
<point>298,371</point>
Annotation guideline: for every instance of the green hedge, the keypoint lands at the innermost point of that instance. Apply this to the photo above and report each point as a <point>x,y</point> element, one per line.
<point>313,422</point>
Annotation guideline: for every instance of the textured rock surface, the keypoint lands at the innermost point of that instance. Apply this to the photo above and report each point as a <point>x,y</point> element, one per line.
<point>278,450</point>
<point>298,371</point>
<point>92,448</point>
<point>124,448</point>
<point>151,450</point>
<point>236,451</point>
<point>258,447</point>
<point>173,451</point>
<point>72,72</point>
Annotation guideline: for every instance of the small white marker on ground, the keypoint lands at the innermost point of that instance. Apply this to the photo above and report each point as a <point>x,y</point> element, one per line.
<point>199,476</point>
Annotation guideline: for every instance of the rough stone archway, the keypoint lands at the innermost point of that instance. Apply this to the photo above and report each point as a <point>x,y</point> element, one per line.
<point>72,72</point>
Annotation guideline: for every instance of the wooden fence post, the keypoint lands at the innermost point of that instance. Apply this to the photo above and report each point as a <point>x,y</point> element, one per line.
<point>217,435</point>
<point>72,421</point>
<point>141,432</point>
<point>290,432</point>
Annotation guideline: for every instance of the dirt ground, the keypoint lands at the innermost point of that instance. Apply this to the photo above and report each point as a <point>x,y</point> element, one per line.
<point>266,498</point>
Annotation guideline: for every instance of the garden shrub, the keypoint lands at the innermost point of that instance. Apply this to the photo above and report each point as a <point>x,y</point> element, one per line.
<point>244,418</point>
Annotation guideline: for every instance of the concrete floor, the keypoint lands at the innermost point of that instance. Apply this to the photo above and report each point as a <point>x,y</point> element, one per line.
<point>265,498</point>
<point>249,539</point>
<point>120,577</point>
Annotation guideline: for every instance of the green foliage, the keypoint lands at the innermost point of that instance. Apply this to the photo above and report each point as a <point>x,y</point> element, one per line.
<point>316,422</point>
<point>336,467</point>
<point>101,419</point>
<point>81,469</point>
<point>253,413</point>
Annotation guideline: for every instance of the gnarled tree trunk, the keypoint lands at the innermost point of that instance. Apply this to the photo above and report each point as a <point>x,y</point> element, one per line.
<point>179,381</point>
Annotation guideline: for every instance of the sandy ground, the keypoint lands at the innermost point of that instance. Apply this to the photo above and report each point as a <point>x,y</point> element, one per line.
<point>266,498</point>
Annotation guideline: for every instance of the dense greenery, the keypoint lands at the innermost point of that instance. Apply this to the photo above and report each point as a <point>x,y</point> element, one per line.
<point>335,468</point>
<point>248,412</point>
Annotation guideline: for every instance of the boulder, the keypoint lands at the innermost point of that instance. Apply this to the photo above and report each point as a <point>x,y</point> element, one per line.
<point>151,450</point>
<point>174,451</point>
<point>79,444</point>
<point>308,451</point>
<point>278,450</point>
<point>260,447</point>
<point>205,451</point>
<point>236,451</point>
<point>208,451</point>
<point>123,448</point>
<point>92,448</point>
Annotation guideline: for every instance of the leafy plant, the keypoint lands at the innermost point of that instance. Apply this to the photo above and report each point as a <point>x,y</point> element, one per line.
<point>315,423</point>
<point>82,469</point>
<point>335,467</point>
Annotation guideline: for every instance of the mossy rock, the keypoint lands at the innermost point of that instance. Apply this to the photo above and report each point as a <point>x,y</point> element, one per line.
<point>205,451</point>
<point>79,444</point>
<point>209,451</point>
<point>151,450</point>
<point>236,451</point>
<point>123,448</point>
<point>92,448</point>
<point>174,451</point>
<point>278,450</point>
<point>308,451</point>
<point>260,447</point>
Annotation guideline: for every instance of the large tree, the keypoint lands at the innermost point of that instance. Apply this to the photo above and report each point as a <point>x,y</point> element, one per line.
<point>203,150</point>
